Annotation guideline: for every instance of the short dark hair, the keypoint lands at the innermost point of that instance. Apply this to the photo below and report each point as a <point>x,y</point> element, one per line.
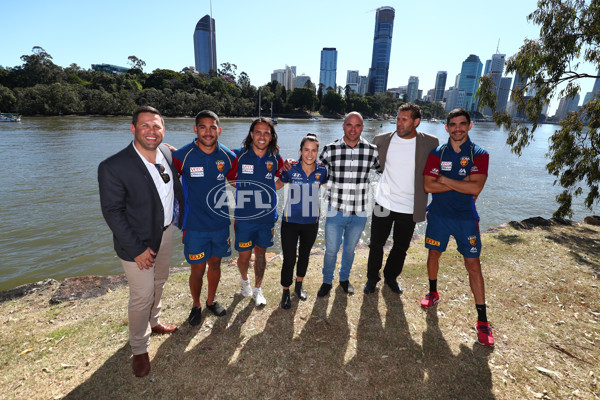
<point>207,114</point>
<point>412,107</point>
<point>146,109</point>
<point>273,148</point>
<point>457,112</point>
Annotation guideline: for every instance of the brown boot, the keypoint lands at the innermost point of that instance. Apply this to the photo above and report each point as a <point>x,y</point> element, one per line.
<point>141,365</point>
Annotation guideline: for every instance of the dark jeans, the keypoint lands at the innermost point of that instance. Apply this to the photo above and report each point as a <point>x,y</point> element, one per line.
<point>381,225</point>
<point>291,233</point>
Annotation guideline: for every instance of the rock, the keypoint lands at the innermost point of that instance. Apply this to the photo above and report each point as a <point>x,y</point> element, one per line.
<point>592,220</point>
<point>24,290</point>
<point>538,222</point>
<point>86,287</point>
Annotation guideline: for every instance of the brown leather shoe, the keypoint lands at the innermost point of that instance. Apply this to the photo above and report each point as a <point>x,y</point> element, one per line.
<point>163,329</point>
<point>141,365</point>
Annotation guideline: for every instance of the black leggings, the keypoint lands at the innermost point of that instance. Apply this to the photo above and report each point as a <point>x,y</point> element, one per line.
<point>290,234</point>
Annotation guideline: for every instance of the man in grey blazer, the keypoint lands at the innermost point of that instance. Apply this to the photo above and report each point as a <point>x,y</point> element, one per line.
<point>140,195</point>
<point>400,200</point>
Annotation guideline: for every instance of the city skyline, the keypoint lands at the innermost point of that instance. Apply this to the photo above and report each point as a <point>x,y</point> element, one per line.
<point>261,39</point>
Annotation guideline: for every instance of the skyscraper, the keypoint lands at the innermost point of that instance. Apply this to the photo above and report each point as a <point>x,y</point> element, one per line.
<point>205,48</point>
<point>412,90</point>
<point>440,85</point>
<point>469,80</point>
<point>328,68</point>
<point>503,92</point>
<point>494,68</point>
<point>382,48</point>
<point>352,80</point>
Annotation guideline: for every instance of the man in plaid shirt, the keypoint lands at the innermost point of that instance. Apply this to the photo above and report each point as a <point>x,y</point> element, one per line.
<point>349,161</point>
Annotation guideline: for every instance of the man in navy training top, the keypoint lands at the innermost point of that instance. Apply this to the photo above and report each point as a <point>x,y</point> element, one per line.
<point>455,174</point>
<point>257,164</point>
<point>204,166</point>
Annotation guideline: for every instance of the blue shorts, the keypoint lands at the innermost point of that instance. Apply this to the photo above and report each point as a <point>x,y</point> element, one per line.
<point>199,246</point>
<point>249,234</point>
<point>465,232</point>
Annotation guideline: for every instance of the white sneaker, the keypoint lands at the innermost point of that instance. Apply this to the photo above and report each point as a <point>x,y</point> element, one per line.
<point>259,299</point>
<point>246,290</point>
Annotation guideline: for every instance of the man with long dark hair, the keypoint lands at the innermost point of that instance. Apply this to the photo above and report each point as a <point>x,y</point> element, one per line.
<point>258,164</point>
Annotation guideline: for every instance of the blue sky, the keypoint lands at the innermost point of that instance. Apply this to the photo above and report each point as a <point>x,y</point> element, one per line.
<point>263,35</point>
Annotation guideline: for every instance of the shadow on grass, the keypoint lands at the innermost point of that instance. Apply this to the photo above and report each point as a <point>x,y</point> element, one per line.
<point>510,239</point>
<point>464,376</point>
<point>288,359</point>
<point>585,249</point>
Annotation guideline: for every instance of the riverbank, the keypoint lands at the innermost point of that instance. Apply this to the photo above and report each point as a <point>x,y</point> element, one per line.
<point>542,295</point>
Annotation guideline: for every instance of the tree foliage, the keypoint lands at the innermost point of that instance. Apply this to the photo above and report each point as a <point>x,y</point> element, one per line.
<point>569,35</point>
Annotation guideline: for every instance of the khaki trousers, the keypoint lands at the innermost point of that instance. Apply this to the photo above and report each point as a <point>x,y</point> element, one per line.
<point>145,292</point>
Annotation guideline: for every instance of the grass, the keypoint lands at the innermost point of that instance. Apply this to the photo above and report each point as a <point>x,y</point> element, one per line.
<point>542,295</point>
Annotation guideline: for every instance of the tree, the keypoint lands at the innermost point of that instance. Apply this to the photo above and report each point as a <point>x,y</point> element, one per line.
<point>136,63</point>
<point>302,98</point>
<point>569,34</point>
<point>333,103</point>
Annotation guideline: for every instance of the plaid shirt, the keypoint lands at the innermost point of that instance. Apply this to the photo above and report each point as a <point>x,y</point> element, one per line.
<point>348,174</point>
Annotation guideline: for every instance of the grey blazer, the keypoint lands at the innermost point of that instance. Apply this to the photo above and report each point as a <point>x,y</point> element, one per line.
<point>425,143</point>
<point>131,204</point>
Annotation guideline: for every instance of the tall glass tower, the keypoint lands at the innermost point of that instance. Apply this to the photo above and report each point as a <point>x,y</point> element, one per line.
<point>382,48</point>
<point>205,49</point>
<point>328,68</point>
<point>469,80</point>
<point>440,85</point>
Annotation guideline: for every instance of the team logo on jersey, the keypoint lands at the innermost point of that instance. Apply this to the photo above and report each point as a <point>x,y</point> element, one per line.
<point>195,257</point>
<point>462,172</point>
<point>196,172</point>
<point>220,177</point>
<point>317,176</point>
<point>434,171</point>
<point>473,249</point>
<point>269,165</point>
<point>464,161</point>
<point>269,176</point>
<point>245,245</point>
<point>296,175</point>
<point>474,169</point>
<point>432,242</point>
<point>446,165</point>
<point>247,169</point>
<point>220,165</point>
<point>472,240</point>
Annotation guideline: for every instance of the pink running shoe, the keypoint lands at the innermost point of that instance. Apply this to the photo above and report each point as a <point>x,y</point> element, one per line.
<point>430,299</point>
<point>484,334</point>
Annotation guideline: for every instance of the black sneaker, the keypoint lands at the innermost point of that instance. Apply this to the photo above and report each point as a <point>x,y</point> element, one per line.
<point>300,293</point>
<point>347,286</point>
<point>370,287</point>
<point>324,290</point>
<point>285,299</point>
<point>195,317</point>
<point>217,309</point>
<point>393,285</point>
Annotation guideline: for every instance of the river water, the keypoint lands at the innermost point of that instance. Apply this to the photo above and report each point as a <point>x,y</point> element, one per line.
<point>52,226</point>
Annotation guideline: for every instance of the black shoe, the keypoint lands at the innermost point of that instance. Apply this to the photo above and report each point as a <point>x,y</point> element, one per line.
<point>299,291</point>
<point>217,309</point>
<point>324,290</point>
<point>370,286</point>
<point>195,317</point>
<point>347,286</point>
<point>393,285</point>
<point>285,299</point>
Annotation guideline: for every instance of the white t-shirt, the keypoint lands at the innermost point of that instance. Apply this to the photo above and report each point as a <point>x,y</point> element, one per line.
<point>396,190</point>
<point>165,190</point>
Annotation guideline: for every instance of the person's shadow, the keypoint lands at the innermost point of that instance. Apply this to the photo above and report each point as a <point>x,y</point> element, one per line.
<point>172,360</point>
<point>464,376</point>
